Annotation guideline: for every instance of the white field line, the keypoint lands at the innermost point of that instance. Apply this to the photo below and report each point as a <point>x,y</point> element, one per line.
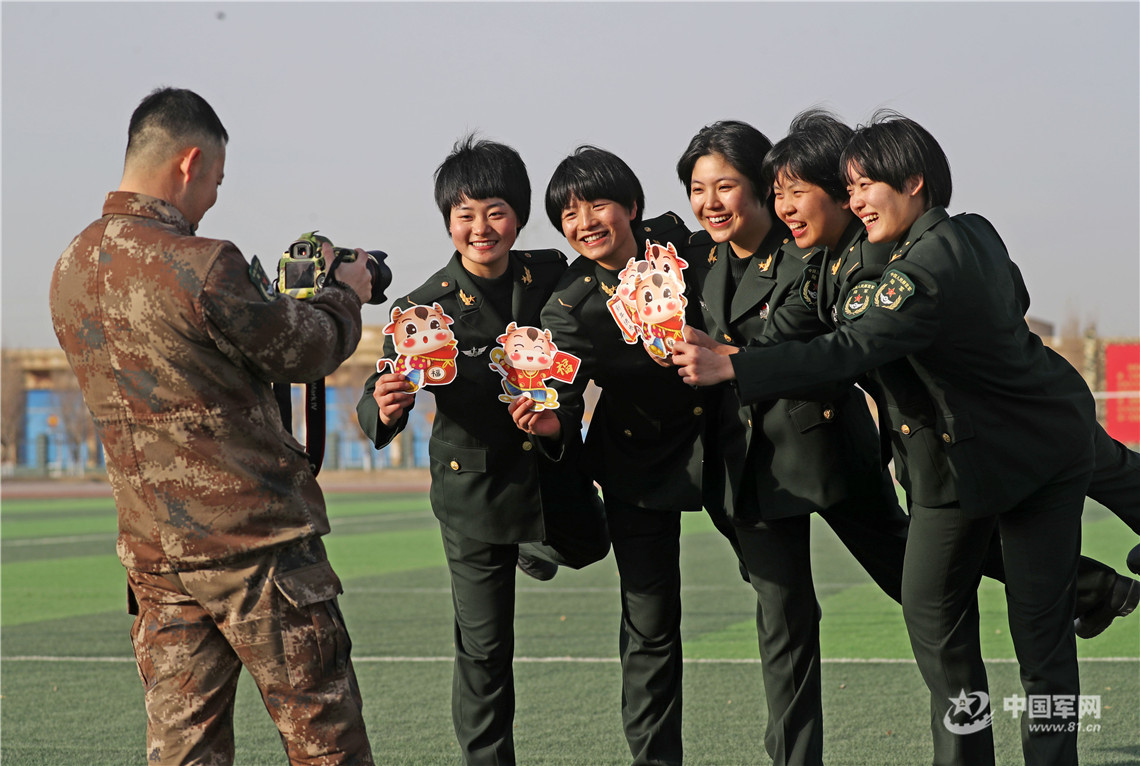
<point>348,521</point>
<point>583,660</point>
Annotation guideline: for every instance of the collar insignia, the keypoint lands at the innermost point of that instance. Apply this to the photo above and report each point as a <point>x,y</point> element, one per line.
<point>766,264</point>
<point>526,277</point>
<point>468,300</point>
<point>712,256</point>
<point>835,267</point>
<point>607,290</point>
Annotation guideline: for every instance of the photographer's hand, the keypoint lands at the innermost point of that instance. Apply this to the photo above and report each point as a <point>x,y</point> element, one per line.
<point>392,397</point>
<point>354,274</point>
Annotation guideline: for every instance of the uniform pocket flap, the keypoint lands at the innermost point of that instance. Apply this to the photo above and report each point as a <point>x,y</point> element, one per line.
<point>808,415</point>
<point>460,459</point>
<point>309,585</point>
<point>957,428</point>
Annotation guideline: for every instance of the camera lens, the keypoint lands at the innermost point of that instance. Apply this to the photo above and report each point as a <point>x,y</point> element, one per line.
<point>381,275</point>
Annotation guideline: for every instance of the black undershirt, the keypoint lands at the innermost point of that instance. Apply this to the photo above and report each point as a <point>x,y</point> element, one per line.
<point>496,291</point>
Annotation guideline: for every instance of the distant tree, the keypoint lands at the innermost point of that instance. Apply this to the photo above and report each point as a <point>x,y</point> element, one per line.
<point>78,427</point>
<point>13,407</point>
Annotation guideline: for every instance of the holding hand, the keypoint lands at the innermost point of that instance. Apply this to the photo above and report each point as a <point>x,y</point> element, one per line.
<point>354,274</point>
<point>542,423</point>
<point>701,361</point>
<point>393,397</point>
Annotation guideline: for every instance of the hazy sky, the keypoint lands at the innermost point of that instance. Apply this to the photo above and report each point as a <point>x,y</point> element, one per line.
<point>339,113</point>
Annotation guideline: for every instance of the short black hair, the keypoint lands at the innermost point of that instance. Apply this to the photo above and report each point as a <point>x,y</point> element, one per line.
<point>591,173</point>
<point>811,151</point>
<point>481,169</point>
<point>174,116</point>
<point>742,145</point>
<point>893,149</point>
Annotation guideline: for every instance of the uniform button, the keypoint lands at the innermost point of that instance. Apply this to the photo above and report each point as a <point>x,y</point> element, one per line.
<point>627,432</point>
<point>454,465</point>
<point>588,279</point>
<point>946,438</point>
<point>828,414</point>
<point>728,338</point>
<point>527,446</point>
<point>749,422</point>
<point>905,429</point>
<point>698,410</point>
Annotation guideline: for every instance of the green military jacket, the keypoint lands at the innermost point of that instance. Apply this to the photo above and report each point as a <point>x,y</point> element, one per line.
<point>645,443</point>
<point>785,457</point>
<point>998,401</point>
<point>489,480</point>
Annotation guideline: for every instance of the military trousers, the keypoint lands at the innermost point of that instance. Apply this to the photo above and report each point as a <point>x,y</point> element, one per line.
<point>778,557</point>
<point>646,547</point>
<point>275,613</point>
<point>1040,544</point>
<point>483,600</point>
<point>1115,482</point>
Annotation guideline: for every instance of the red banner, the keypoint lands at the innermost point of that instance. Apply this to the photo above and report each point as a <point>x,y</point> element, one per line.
<point>1122,374</point>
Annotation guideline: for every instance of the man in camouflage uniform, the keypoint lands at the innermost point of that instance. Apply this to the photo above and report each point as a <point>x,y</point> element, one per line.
<point>175,340</point>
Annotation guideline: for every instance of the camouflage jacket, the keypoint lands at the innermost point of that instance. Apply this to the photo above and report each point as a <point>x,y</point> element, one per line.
<point>175,347</point>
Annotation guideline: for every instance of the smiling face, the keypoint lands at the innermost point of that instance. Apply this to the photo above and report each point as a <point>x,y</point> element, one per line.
<point>726,205</point>
<point>483,232</point>
<point>886,212</point>
<point>600,230</point>
<point>814,217</point>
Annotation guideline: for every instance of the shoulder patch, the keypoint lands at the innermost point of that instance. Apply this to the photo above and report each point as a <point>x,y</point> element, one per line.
<point>542,256</point>
<point>858,299</point>
<point>261,280</point>
<point>893,291</point>
<point>809,286</point>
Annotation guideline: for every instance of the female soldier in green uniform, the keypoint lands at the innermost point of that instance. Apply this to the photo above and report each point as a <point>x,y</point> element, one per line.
<point>646,443</point>
<point>492,488</point>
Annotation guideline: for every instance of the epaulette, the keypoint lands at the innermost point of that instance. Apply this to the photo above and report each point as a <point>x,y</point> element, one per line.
<point>665,228</point>
<point>700,239</point>
<point>540,256</point>
<point>576,285</point>
<point>438,285</point>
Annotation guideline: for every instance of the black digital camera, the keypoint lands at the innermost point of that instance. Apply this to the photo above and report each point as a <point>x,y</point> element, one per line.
<point>302,270</point>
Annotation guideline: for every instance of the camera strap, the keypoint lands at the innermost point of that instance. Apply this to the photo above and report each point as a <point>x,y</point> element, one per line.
<point>314,418</point>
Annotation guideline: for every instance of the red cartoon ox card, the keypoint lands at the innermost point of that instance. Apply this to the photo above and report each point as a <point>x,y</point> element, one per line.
<point>649,303</point>
<point>526,358</point>
<point>425,346</point>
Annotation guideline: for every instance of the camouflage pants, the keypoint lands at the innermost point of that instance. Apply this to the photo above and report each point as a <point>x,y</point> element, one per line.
<point>275,614</point>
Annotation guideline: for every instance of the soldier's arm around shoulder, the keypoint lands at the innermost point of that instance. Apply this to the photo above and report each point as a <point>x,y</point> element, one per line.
<point>283,339</point>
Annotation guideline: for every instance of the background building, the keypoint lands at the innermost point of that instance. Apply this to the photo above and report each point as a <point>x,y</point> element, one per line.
<point>47,429</point>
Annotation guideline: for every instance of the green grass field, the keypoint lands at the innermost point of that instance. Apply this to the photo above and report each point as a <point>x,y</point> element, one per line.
<point>71,695</point>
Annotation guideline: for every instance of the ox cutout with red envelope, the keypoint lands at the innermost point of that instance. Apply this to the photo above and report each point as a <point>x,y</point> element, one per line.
<point>649,303</point>
<point>526,358</point>
<point>425,346</point>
